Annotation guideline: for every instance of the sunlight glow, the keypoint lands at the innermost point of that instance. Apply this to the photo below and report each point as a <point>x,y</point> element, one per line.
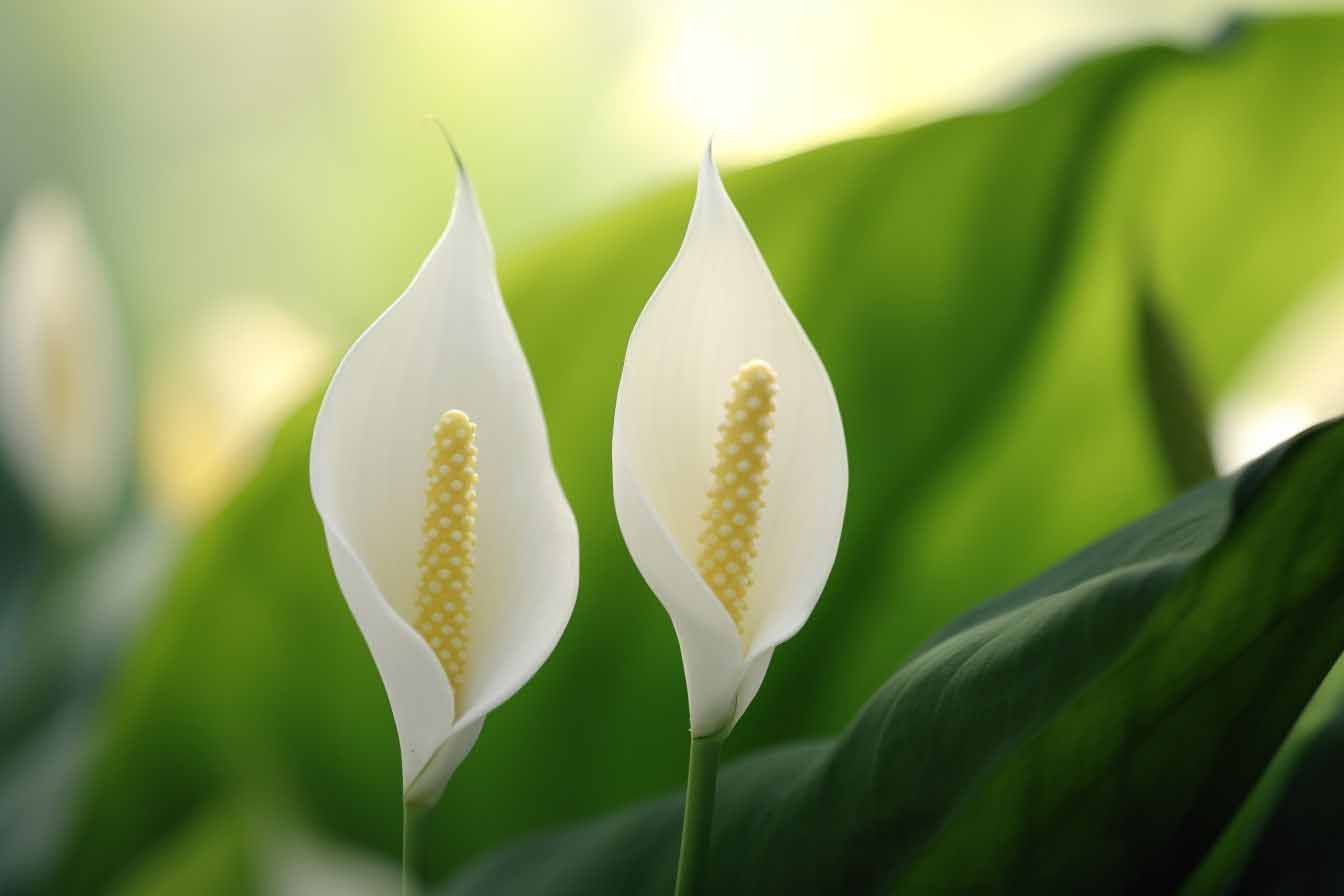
<point>1294,380</point>
<point>712,80</point>
<point>764,83</point>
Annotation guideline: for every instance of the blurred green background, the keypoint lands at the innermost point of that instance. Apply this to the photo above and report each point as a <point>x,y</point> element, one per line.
<point>963,206</point>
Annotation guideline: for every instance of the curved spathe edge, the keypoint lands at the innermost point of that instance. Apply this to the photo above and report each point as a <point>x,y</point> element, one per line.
<point>426,788</point>
<point>711,651</point>
<point>421,698</point>
<point>524,671</point>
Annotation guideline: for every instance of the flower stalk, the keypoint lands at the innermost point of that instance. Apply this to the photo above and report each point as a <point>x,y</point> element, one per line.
<point>411,816</point>
<point>697,823</point>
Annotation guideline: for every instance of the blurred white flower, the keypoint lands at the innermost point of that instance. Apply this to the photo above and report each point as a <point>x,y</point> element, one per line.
<point>460,596</point>
<point>296,862</point>
<point>1294,379</point>
<point>213,401</point>
<point>65,399</point>
<point>728,457</point>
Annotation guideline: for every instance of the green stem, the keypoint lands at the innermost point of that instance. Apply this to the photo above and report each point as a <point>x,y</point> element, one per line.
<point>701,777</point>
<point>411,817</point>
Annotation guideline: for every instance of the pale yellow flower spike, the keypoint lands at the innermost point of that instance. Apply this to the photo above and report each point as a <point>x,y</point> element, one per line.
<point>447,554</point>
<point>735,503</point>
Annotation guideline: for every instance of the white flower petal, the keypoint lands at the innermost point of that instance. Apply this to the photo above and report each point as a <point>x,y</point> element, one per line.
<point>428,786</point>
<point>295,861</point>
<point>447,343</point>
<point>65,397</point>
<point>711,652</point>
<point>716,309</point>
<point>417,689</point>
<point>752,679</point>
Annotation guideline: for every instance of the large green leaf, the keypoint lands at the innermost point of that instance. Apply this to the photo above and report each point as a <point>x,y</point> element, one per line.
<point>1091,731</point>
<point>1298,849</point>
<point>1284,838</point>
<point>968,285</point>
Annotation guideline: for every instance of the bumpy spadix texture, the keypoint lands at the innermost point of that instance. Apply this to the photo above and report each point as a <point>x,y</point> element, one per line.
<point>736,499</point>
<point>447,343</point>
<point>716,309</point>
<point>442,611</point>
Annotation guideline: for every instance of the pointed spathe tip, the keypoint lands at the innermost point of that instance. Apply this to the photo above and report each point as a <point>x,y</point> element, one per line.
<point>709,169</point>
<point>452,147</point>
<point>465,199</point>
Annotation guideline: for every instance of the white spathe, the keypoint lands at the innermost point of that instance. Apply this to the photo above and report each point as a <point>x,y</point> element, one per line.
<point>717,308</point>
<point>65,389</point>
<point>446,344</point>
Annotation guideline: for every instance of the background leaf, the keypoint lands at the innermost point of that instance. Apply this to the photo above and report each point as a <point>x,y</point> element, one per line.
<point>1091,730</point>
<point>208,856</point>
<point>1174,403</point>
<point>968,284</point>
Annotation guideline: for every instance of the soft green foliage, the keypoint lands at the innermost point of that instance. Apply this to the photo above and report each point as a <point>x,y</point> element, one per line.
<point>969,286</point>
<point>19,553</point>
<point>1090,731</point>
<point>1179,420</point>
<point>66,601</point>
<point>207,856</point>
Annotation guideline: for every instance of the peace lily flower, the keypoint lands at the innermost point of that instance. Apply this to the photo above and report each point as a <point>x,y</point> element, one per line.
<point>208,419</point>
<point>65,394</point>
<point>448,531</point>
<point>730,474</point>
<point>729,459</point>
